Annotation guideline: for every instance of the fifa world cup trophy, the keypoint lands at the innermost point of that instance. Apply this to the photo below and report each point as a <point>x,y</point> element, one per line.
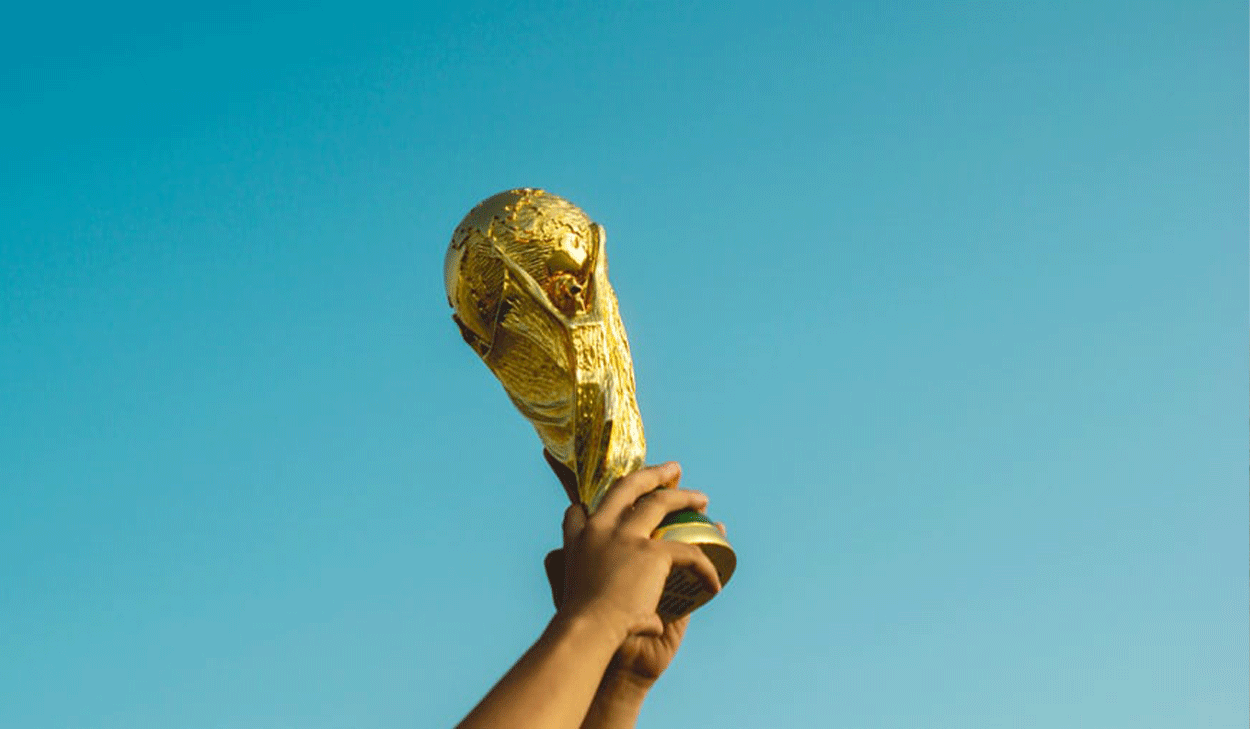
<point>527,276</point>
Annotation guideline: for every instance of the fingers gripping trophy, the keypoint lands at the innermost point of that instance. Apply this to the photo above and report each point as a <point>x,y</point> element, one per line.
<point>527,276</point>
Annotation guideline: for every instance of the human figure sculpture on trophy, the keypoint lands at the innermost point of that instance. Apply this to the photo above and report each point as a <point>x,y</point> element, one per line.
<point>526,275</point>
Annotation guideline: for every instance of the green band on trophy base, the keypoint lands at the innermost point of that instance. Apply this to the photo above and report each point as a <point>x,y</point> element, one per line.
<point>685,590</point>
<point>527,275</point>
<point>685,516</point>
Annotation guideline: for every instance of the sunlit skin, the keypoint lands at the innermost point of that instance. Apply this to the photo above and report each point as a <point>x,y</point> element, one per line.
<point>606,645</point>
<point>639,661</point>
<point>526,274</point>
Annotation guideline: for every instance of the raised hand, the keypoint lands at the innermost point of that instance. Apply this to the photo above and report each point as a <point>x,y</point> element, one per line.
<point>613,569</point>
<point>632,509</point>
<point>614,573</point>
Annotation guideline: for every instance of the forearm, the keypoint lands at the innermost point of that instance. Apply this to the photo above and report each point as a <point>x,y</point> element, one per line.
<point>552,685</point>
<point>617,703</point>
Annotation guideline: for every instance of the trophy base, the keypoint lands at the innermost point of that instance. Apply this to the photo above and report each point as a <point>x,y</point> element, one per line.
<point>684,591</point>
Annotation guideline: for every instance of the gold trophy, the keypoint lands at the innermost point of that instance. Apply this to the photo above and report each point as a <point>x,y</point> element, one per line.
<point>527,275</point>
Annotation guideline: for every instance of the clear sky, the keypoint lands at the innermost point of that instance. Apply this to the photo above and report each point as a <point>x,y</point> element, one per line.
<point>944,304</point>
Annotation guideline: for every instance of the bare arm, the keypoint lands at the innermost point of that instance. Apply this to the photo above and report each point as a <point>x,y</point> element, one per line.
<point>639,661</point>
<point>553,683</point>
<point>617,702</point>
<point>614,574</point>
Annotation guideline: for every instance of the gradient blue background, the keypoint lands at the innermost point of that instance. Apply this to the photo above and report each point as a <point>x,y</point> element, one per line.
<point>944,304</point>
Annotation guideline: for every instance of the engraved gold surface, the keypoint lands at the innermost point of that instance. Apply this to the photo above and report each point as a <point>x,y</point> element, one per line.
<point>527,276</point>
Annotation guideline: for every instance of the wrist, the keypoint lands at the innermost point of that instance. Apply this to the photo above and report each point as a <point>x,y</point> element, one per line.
<point>597,621</point>
<point>625,685</point>
<point>592,628</point>
<point>617,702</point>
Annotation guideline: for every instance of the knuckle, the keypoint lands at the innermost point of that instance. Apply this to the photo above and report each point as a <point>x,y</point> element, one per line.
<point>671,498</point>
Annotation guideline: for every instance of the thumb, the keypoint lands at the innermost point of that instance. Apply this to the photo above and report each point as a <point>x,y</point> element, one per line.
<point>653,626</point>
<point>554,564</point>
<point>574,523</point>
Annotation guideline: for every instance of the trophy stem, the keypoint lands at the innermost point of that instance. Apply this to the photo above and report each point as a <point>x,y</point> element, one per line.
<point>527,275</point>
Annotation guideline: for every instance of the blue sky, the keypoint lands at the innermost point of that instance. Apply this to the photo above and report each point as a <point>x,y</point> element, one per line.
<point>944,305</point>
